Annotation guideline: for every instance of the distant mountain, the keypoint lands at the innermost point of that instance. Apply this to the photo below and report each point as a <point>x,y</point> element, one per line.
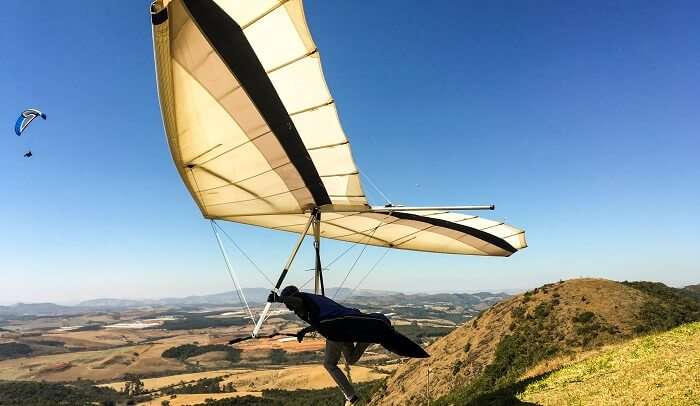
<point>49,309</point>
<point>254,296</point>
<point>113,303</point>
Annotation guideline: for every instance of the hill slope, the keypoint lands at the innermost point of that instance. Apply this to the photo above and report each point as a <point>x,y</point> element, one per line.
<point>565,318</point>
<point>658,369</point>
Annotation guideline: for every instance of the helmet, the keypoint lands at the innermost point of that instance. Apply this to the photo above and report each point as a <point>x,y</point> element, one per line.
<point>289,290</point>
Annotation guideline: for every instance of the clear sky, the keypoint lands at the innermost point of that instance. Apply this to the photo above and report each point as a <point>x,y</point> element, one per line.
<point>579,120</point>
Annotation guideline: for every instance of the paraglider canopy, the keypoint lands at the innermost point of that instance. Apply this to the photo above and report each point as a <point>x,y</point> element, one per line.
<point>25,118</point>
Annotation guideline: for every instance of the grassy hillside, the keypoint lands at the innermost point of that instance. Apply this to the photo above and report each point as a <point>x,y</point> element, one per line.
<point>660,369</point>
<point>478,361</point>
<point>669,307</point>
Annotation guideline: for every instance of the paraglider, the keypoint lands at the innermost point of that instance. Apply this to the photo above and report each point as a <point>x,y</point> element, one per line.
<point>23,121</point>
<point>25,118</point>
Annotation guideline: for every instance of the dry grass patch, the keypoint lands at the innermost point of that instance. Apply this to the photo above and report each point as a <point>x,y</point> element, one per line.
<point>297,377</point>
<point>151,384</point>
<point>198,398</point>
<point>661,369</point>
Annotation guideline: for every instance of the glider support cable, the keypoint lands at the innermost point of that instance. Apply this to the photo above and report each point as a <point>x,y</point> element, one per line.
<point>352,292</point>
<point>238,247</point>
<point>232,275</point>
<point>364,248</point>
<point>330,264</point>
<point>374,186</point>
<point>283,275</point>
<point>363,241</point>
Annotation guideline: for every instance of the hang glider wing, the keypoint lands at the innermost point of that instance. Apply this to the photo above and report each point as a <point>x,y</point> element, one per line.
<point>439,231</point>
<point>255,135</point>
<point>251,124</point>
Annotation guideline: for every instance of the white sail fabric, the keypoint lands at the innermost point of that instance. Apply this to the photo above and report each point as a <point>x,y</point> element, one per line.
<point>254,132</point>
<point>439,231</point>
<point>219,127</point>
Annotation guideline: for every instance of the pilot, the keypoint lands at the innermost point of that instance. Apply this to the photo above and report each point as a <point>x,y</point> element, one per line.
<point>336,323</point>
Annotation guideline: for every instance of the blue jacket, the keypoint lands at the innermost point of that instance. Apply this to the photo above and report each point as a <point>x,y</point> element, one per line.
<point>339,323</point>
<point>321,308</point>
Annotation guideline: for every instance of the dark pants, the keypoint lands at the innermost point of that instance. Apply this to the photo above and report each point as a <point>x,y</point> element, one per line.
<point>352,353</point>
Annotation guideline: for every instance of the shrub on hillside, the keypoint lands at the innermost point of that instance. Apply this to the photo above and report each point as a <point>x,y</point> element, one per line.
<point>278,356</point>
<point>204,385</point>
<point>671,308</point>
<point>13,349</point>
<point>182,352</point>
<point>50,343</point>
<point>20,393</point>
<point>584,317</point>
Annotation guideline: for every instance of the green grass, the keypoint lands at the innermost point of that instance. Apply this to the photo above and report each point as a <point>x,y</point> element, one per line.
<point>660,369</point>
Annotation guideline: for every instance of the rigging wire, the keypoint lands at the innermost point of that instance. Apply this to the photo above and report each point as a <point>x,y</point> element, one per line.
<point>352,292</point>
<point>364,248</point>
<point>341,255</point>
<point>257,268</point>
<point>362,241</point>
<point>239,291</point>
<point>327,267</point>
<point>375,187</point>
<point>237,287</point>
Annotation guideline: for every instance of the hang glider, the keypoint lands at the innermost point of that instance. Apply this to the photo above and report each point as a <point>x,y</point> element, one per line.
<point>255,135</point>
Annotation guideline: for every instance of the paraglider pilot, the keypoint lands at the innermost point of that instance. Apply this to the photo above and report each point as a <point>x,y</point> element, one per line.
<point>317,311</point>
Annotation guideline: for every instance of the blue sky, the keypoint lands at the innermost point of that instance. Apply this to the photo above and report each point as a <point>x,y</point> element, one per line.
<point>577,119</point>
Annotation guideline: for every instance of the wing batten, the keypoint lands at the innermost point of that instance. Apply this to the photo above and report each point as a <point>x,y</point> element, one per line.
<point>316,107</point>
